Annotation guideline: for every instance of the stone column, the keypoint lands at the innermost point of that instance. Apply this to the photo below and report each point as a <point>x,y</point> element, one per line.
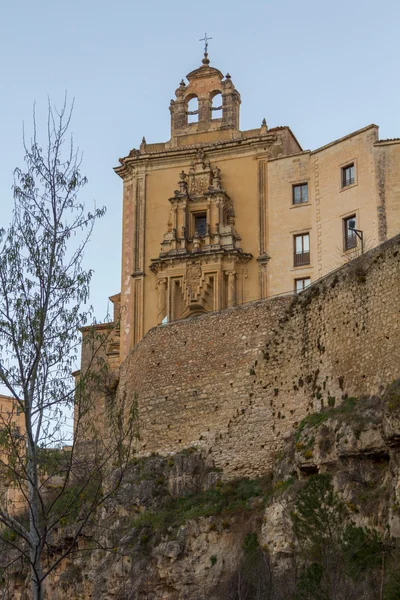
<point>161,299</point>
<point>231,288</point>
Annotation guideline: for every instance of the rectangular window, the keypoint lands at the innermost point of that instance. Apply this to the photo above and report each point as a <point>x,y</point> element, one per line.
<point>301,284</point>
<point>300,193</point>
<point>200,224</point>
<point>348,175</point>
<point>349,235</point>
<point>301,249</point>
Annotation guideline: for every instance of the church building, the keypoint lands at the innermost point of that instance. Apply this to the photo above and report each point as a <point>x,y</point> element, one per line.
<point>217,217</point>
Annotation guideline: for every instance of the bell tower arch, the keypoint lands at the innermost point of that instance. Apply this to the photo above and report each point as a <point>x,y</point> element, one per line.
<point>218,102</point>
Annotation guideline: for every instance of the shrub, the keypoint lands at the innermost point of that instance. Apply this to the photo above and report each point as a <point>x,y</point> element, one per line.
<point>224,499</point>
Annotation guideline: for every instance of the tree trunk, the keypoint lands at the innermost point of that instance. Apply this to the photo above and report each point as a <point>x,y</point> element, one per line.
<point>35,532</point>
<point>37,582</point>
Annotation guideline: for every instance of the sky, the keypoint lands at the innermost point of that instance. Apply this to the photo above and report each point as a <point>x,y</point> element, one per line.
<point>323,68</point>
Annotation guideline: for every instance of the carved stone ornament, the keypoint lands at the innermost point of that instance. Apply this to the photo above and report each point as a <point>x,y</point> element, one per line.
<point>216,178</point>
<point>183,186</point>
<point>193,277</point>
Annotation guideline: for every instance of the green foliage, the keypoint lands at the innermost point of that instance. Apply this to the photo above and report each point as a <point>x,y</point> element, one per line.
<point>213,560</point>
<point>52,461</point>
<point>250,544</point>
<point>339,557</point>
<point>282,485</point>
<point>253,578</point>
<point>223,499</point>
<point>362,548</point>
<point>8,535</point>
<point>309,584</point>
<point>345,409</point>
<point>65,506</point>
<point>391,588</point>
<point>392,396</point>
<point>319,514</point>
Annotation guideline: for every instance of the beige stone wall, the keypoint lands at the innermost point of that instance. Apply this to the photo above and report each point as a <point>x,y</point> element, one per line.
<point>11,495</point>
<point>238,381</point>
<point>10,414</point>
<point>285,219</point>
<point>387,177</point>
<point>260,180</point>
<point>258,170</point>
<point>151,181</point>
<point>334,202</point>
<point>329,203</point>
<point>99,363</point>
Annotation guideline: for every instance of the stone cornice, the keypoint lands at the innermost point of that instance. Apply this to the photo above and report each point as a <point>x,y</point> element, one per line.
<point>203,255</point>
<point>177,155</point>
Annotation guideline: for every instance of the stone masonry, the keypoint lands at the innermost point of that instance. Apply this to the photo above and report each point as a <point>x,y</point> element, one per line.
<point>236,382</point>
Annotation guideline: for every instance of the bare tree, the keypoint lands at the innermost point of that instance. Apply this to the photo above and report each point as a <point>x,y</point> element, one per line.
<point>43,293</point>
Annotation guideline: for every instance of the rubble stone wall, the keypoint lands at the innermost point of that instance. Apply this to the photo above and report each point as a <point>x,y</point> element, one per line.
<point>238,381</point>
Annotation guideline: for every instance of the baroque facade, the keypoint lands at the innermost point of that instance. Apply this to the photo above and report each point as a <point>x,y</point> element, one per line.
<point>218,217</point>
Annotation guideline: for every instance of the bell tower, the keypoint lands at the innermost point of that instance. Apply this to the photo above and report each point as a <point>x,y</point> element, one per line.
<point>209,102</point>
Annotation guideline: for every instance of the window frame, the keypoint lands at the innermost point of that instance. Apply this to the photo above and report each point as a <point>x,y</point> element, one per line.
<point>347,246</point>
<point>195,216</point>
<point>306,256</point>
<point>300,185</point>
<point>304,286</point>
<point>343,168</point>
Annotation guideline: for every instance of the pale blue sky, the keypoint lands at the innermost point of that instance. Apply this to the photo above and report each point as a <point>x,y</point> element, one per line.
<point>323,68</point>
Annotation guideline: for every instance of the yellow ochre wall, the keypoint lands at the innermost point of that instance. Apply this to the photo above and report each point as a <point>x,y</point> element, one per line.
<point>258,169</point>
<point>238,174</point>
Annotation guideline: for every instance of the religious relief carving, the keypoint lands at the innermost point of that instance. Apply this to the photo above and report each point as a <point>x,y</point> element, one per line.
<point>162,300</point>
<point>193,277</point>
<point>201,246</point>
<point>200,154</point>
<point>216,183</point>
<point>200,174</point>
<point>199,184</point>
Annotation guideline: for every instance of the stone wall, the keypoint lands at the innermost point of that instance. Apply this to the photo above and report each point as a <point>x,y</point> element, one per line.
<point>238,381</point>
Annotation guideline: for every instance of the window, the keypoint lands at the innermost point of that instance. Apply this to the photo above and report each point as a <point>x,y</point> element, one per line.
<point>200,224</point>
<point>301,284</point>
<point>216,106</point>
<point>300,193</point>
<point>301,249</point>
<point>348,175</point>
<point>349,235</point>
<point>193,110</point>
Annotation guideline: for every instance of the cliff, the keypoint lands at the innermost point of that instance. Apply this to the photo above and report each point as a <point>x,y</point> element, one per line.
<point>268,463</point>
<point>176,530</point>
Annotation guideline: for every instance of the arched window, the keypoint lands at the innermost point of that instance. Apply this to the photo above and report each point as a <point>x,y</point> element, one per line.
<point>193,110</point>
<point>216,105</point>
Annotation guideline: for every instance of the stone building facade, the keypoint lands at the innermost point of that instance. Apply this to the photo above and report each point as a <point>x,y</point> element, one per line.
<point>12,421</point>
<point>217,217</point>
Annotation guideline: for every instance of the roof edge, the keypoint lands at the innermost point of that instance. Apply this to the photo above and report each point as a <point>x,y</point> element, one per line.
<point>346,137</point>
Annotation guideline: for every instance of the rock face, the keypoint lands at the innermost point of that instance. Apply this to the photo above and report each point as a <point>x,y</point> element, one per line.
<point>179,530</point>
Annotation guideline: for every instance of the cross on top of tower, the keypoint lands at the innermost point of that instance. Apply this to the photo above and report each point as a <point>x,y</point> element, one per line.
<point>205,39</point>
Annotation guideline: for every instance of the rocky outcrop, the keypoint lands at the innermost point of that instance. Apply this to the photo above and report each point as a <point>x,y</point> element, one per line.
<point>179,530</point>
